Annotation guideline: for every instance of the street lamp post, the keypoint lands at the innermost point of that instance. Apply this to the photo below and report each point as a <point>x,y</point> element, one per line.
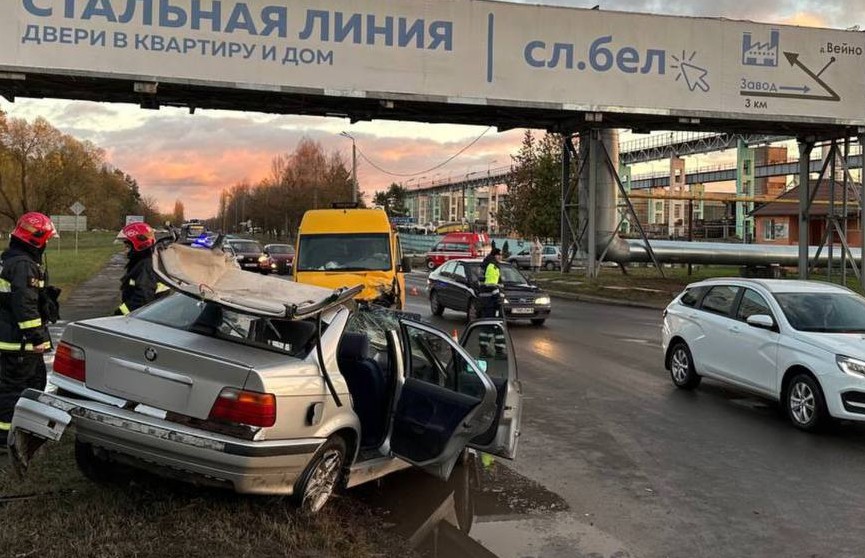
<point>353,165</point>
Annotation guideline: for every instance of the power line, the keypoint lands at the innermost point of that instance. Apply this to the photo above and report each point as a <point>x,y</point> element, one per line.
<point>437,167</point>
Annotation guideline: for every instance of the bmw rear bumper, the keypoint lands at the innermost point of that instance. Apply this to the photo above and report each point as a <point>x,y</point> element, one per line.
<point>250,467</point>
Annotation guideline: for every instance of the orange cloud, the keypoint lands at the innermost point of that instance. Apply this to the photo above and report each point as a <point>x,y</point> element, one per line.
<point>806,19</point>
<point>172,169</point>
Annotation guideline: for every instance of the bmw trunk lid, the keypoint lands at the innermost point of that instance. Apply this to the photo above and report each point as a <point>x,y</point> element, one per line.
<point>160,366</point>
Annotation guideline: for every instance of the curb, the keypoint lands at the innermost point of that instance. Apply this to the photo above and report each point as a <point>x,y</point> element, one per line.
<point>603,300</point>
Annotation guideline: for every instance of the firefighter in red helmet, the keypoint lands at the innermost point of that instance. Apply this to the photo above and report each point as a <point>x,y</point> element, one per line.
<point>140,285</point>
<point>27,305</point>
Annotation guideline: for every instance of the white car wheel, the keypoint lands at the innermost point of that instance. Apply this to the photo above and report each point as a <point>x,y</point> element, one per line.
<point>805,404</point>
<point>682,370</point>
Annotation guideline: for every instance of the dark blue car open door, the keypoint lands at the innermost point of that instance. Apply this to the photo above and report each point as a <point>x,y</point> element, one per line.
<point>443,402</point>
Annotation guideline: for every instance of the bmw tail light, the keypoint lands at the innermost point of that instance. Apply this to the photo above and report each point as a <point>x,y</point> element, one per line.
<point>69,361</point>
<point>245,407</point>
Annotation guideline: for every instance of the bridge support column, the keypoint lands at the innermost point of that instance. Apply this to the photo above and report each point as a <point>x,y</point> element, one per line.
<point>862,212</point>
<point>571,234</point>
<point>805,149</point>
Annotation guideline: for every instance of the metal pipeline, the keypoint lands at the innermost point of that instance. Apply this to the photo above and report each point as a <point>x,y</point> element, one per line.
<point>618,250</point>
<point>725,253</point>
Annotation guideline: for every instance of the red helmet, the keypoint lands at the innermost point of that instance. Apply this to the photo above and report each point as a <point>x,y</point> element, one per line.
<point>35,229</point>
<point>140,235</point>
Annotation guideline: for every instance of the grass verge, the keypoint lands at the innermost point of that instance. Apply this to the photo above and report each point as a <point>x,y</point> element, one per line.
<point>643,284</point>
<point>145,516</point>
<point>67,270</point>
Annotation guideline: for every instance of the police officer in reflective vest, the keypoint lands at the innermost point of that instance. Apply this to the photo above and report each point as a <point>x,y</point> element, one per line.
<point>27,305</point>
<point>140,285</point>
<point>491,295</point>
<point>492,278</point>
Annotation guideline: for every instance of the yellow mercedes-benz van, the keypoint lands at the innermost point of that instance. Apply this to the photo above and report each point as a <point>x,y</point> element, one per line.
<point>349,246</point>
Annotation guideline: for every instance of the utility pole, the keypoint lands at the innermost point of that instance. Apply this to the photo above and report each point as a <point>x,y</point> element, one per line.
<point>353,171</point>
<point>353,165</point>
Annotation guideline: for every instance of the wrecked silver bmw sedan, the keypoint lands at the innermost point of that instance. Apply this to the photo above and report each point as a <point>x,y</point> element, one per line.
<point>270,387</point>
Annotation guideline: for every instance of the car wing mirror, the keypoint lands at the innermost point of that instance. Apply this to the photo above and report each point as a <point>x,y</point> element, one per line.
<point>761,321</point>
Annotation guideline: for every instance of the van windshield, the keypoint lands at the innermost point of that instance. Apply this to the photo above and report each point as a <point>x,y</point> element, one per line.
<point>345,252</point>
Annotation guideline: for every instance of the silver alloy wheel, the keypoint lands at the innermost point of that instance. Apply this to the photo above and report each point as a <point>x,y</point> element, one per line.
<point>322,482</point>
<point>802,403</point>
<point>679,365</point>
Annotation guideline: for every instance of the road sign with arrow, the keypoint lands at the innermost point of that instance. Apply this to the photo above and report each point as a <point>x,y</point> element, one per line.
<point>802,92</point>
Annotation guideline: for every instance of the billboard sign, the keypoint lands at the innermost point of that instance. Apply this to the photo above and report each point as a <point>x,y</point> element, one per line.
<point>465,52</point>
<point>134,219</point>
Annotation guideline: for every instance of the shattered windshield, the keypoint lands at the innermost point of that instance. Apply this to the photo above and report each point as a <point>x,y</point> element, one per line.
<point>345,252</point>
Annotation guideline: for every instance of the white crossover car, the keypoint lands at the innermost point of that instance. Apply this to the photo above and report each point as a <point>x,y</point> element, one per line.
<point>798,342</point>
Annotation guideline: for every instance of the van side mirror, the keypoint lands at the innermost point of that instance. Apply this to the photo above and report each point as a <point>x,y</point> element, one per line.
<point>761,321</point>
<point>405,264</point>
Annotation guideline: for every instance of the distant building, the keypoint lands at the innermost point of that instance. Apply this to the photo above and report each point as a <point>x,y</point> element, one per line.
<point>778,223</point>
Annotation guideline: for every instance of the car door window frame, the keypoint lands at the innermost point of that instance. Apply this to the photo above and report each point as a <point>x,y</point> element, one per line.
<point>734,305</point>
<point>447,267</point>
<point>741,299</point>
<point>461,279</point>
<point>698,301</point>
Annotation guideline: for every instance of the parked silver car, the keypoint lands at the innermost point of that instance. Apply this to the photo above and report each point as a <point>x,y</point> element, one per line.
<point>551,258</point>
<point>270,387</point>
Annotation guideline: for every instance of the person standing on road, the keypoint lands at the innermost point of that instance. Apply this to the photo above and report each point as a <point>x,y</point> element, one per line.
<point>492,278</point>
<point>27,305</point>
<point>491,295</point>
<point>140,284</point>
<point>536,251</point>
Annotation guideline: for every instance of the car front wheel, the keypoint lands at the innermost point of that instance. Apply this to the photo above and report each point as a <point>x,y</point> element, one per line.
<point>805,404</point>
<point>430,265</point>
<point>682,370</point>
<point>322,477</point>
<point>550,266</point>
<point>435,304</point>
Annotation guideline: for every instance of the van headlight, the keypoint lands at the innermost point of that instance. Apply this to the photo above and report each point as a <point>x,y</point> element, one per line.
<point>851,366</point>
<point>543,301</point>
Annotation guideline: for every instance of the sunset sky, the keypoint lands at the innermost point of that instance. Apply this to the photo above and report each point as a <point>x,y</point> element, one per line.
<point>192,157</point>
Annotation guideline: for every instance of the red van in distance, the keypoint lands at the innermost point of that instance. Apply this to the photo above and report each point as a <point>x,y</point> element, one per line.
<point>458,245</point>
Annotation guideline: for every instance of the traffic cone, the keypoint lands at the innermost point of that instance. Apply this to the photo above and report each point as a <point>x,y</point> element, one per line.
<point>456,336</point>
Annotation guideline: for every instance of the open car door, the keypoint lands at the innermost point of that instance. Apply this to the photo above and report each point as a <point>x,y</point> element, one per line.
<point>489,343</point>
<point>444,400</point>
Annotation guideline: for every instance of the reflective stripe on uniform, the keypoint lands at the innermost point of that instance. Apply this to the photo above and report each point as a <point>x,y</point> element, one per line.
<point>5,286</point>
<point>124,309</point>
<point>30,324</point>
<point>132,282</point>
<point>40,284</point>
<point>5,426</point>
<point>28,347</point>
<point>161,288</point>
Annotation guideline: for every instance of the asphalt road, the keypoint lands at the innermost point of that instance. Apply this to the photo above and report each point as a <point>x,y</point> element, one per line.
<point>648,470</point>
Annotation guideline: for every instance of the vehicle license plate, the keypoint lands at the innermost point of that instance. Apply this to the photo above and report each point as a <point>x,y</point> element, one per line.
<point>522,311</point>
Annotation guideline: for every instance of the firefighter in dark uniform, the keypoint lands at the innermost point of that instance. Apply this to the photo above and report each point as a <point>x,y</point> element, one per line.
<point>140,285</point>
<point>27,305</point>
